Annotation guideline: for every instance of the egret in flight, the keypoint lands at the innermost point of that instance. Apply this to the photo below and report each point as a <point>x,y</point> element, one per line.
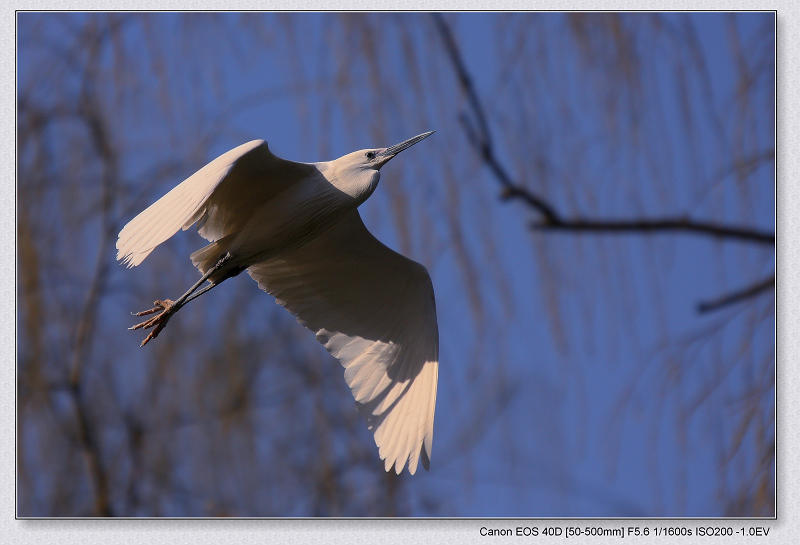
<point>296,230</point>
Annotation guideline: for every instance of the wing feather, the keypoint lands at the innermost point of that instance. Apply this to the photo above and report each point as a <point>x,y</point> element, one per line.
<point>373,310</point>
<point>221,196</point>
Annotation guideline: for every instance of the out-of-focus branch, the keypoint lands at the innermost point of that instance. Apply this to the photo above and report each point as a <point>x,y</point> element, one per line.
<point>481,140</point>
<point>91,114</point>
<point>737,296</point>
<point>647,225</point>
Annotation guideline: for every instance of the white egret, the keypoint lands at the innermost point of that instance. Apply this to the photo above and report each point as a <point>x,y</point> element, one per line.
<point>296,229</point>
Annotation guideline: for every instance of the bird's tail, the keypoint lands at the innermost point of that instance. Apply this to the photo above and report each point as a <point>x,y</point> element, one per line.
<point>206,257</point>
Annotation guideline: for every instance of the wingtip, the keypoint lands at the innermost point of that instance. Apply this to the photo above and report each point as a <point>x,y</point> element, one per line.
<point>399,464</point>
<point>131,259</point>
<point>124,256</point>
<point>425,459</point>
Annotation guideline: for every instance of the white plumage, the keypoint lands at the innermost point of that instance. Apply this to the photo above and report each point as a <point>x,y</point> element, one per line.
<point>295,228</point>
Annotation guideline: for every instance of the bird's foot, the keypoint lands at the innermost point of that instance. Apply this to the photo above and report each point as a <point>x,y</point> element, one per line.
<point>159,322</point>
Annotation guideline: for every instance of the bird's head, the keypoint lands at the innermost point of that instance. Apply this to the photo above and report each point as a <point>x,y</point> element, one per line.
<point>361,168</point>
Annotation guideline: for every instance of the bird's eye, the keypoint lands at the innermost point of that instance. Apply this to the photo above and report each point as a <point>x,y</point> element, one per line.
<point>370,154</point>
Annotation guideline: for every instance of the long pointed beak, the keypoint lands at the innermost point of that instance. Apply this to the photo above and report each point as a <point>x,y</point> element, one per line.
<point>390,152</point>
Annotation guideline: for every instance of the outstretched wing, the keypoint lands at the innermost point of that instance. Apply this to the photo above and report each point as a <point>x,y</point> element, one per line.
<point>374,310</point>
<point>221,196</point>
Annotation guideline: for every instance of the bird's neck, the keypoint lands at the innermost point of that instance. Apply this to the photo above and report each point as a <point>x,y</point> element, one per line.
<point>358,184</point>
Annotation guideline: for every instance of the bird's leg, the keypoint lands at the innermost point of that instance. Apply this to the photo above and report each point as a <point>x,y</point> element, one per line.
<point>169,307</point>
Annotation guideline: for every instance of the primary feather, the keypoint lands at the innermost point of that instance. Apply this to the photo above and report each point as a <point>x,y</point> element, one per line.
<point>374,310</point>
<point>221,196</point>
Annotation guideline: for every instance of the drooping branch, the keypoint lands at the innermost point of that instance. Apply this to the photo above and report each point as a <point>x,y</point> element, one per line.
<point>737,296</point>
<point>480,139</point>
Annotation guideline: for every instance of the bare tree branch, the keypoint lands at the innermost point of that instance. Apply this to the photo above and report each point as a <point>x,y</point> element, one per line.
<point>645,225</point>
<point>481,140</point>
<point>88,434</point>
<point>737,296</point>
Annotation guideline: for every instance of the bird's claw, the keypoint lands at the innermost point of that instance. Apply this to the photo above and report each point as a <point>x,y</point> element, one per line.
<point>159,305</point>
<point>157,322</point>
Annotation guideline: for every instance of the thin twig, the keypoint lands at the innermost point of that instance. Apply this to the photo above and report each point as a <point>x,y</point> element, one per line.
<point>737,296</point>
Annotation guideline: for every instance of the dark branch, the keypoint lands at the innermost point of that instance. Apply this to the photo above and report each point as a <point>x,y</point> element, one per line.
<point>481,140</point>
<point>464,79</point>
<point>737,296</point>
<point>657,225</point>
